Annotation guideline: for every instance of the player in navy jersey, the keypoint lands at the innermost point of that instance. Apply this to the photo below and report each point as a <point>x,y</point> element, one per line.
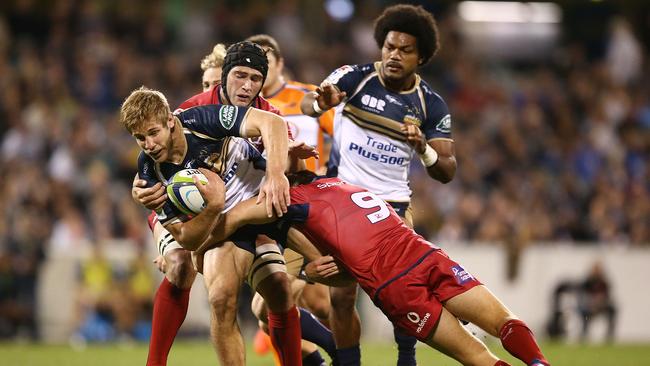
<point>417,286</point>
<point>198,137</point>
<point>386,115</point>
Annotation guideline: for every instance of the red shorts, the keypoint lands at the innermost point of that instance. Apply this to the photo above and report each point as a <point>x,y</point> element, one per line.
<point>413,302</point>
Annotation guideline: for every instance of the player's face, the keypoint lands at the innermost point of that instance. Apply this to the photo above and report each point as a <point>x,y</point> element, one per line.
<point>275,70</point>
<point>154,138</point>
<point>399,56</point>
<point>211,77</point>
<point>243,84</point>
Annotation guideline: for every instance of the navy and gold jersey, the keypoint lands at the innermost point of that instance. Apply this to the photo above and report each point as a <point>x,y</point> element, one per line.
<point>212,139</point>
<point>368,148</point>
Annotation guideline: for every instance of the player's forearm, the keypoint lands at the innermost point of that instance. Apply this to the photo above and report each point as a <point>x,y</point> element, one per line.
<point>244,213</point>
<point>191,234</point>
<point>307,105</point>
<point>276,143</point>
<point>444,169</point>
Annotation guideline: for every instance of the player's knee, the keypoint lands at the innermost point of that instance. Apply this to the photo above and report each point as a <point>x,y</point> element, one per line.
<point>223,301</point>
<point>276,290</point>
<point>258,307</point>
<point>343,298</point>
<point>496,327</point>
<point>320,308</point>
<point>180,270</point>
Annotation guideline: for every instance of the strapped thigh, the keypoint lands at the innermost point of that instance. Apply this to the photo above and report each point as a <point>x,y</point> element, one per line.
<point>268,260</point>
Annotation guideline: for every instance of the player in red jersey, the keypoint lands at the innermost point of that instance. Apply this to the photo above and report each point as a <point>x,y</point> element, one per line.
<point>419,288</point>
<point>244,71</point>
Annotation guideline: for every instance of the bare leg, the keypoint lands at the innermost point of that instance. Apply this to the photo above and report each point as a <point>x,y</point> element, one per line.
<point>452,339</point>
<point>344,318</point>
<point>224,270</point>
<point>479,306</point>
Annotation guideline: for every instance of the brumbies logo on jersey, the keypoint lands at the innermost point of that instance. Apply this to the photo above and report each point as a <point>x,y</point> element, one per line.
<point>227,116</point>
<point>412,119</point>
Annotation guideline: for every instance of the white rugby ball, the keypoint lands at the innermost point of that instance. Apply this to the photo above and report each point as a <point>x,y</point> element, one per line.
<point>182,192</point>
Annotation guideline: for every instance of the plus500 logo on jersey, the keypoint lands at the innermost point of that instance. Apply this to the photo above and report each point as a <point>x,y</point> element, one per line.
<point>373,145</point>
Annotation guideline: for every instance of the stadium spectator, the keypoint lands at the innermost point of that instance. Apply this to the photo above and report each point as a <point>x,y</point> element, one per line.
<point>594,299</point>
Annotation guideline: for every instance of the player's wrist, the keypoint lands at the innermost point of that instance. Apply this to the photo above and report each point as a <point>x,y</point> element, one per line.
<point>429,157</point>
<point>317,107</point>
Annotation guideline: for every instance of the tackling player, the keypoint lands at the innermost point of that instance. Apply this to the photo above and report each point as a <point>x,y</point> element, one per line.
<point>388,115</point>
<point>414,282</point>
<point>286,96</point>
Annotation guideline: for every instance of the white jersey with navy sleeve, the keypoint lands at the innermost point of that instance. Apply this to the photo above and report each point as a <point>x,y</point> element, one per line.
<point>368,147</point>
<point>211,133</point>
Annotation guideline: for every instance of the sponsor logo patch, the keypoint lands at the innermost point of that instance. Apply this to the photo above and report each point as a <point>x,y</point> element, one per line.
<point>227,116</point>
<point>444,125</point>
<point>413,317</point>
<point>461,274</point>
<point>338,74</point>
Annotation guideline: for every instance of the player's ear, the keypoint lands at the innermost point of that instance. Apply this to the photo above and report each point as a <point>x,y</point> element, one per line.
<point>170,120</point>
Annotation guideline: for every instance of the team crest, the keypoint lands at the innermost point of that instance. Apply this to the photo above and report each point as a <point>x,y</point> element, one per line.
<point>227,116</point>
<point>412,119</point>
<point>444,125</point>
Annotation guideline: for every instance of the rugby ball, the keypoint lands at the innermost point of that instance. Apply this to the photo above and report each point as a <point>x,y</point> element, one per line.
<point>183,194</point>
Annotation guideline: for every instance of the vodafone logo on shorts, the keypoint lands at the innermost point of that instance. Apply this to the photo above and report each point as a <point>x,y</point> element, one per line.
<point>413,317</point>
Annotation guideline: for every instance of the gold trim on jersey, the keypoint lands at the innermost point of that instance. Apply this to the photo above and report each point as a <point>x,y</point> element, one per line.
<point>383,125</point>
<point>199,134</point>
<point>217,161</point>
<point>441,138</point>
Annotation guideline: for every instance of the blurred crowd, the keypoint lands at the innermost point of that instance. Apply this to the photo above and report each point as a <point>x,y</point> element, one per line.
<point>549,150</point>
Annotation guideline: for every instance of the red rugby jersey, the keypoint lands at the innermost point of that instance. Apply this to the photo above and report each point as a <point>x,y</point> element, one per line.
<point>358,228</point>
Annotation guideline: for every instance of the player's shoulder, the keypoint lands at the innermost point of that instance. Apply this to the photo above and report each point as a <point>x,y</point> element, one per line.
<point>358,71</point>
<point>145,164</point>
<point>428,91</point>
<point>204,98</point>
<point>263,104</point>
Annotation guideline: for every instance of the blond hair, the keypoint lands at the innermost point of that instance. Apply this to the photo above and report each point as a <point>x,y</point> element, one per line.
<point>142,105</point>
<point>214,59</point>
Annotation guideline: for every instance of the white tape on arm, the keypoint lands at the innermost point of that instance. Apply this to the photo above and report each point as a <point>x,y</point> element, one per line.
<point>429,157</point>
<point>317,107</point>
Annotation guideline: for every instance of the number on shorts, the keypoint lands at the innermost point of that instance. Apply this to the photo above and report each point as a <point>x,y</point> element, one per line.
<point>370,200</point>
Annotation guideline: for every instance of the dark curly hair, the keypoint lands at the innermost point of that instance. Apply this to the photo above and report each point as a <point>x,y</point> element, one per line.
<point>413,20</point>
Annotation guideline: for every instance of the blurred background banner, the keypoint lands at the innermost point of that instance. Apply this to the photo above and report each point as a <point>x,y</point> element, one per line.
<point>550,104</point>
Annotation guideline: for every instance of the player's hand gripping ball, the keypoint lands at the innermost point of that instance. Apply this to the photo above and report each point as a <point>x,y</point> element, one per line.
<point>183,193</point>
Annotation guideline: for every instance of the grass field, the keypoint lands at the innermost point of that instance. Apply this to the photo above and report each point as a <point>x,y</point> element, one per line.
<point>201,354</point>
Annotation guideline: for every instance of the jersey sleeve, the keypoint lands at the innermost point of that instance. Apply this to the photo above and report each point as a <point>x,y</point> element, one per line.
<point>346,78</point>
<point>168,213</point>
<point>326,122</point>
<point>438,118</point>
<point>215,121</point>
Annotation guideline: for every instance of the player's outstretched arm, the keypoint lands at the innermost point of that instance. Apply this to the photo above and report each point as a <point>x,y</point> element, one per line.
<point>273,129</point>
<point>191,234</point>
<point>244,213</point>
<point>325,97</point>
